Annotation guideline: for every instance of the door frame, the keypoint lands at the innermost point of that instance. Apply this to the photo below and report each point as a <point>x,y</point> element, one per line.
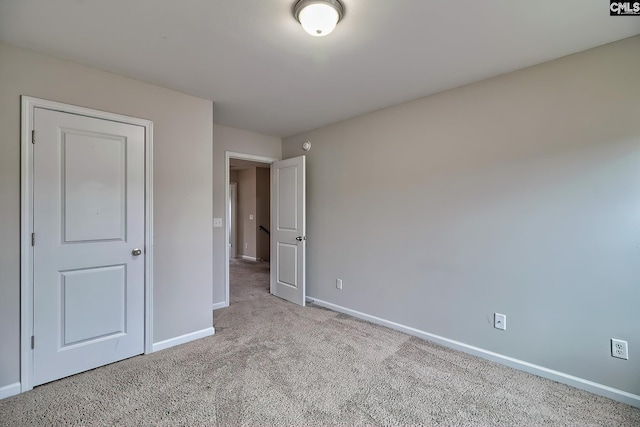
<point>29,104</point>
<point>228,155</point>
<point>232,224</point>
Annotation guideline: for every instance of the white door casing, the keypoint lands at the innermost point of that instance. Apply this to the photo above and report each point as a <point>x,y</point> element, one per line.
<point>86,290</point>
<point>233,227</point>
<point>288,230</point>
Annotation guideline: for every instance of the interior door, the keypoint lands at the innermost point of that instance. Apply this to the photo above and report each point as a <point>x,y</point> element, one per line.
<point>89,238</point>
<point>288,238</point>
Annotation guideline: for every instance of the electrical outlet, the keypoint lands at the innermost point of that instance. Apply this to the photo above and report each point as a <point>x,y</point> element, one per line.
<point>500,321</point>
<point>246,246</point>
<point>338,283</point>
<point>619,349</point>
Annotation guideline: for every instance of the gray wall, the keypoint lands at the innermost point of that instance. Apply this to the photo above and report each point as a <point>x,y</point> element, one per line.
<point>226,138</point>
<point>253,199</point>
<point>263,212</point>
<point>519,194</point>
<point>246,207</point>
<point>182,187</point>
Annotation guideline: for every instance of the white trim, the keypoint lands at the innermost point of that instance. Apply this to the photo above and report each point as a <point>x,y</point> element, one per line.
<point>29,104</point>
<point>148,234</point>
<point>183,339</point>
<point>561,377</point>
<point>26,259</point>
<point>233,202</point>
<point>227,156</point>
<point>9,390</point>
<point>219,305</point>
<point>249,258</point>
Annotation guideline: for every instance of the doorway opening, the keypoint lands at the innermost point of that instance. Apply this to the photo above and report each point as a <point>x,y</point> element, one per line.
<point>248,222</point>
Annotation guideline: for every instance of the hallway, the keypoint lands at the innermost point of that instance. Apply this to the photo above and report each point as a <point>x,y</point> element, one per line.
<point>247,280</point>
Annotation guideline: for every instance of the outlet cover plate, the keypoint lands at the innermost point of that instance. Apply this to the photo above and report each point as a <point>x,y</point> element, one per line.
<point>619,349</point>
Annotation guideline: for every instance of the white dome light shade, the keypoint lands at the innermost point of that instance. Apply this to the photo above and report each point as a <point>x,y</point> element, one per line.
<point>318,18</point>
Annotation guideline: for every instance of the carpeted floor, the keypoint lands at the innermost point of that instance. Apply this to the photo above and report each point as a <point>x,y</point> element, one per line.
<point>274,363</point>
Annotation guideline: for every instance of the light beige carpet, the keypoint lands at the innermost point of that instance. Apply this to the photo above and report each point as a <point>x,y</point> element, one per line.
<point>274,363</point>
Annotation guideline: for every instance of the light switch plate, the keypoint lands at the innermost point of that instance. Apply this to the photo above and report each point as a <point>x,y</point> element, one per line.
<point>217,222</point>
<point>500,321</point>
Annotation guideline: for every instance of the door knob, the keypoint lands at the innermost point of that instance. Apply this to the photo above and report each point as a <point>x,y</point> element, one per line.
<point>136,252</point>
<point>300,238</point>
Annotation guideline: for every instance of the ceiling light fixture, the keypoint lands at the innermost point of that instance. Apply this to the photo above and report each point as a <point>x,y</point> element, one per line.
<point>318,17</point>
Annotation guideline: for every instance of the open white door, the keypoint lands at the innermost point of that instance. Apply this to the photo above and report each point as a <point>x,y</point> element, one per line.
<point>288,228</point>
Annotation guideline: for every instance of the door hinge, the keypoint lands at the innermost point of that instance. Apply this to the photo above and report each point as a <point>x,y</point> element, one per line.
<point>33,136</point>
<point>33,342</point>
<point>33,239</point>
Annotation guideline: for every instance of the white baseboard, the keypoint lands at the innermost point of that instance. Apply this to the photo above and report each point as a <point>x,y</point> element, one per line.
<point>9,390</point>
<point>218,305</point>
<point>561,377</point>
<point>248,258</point>
<point>182,339</point>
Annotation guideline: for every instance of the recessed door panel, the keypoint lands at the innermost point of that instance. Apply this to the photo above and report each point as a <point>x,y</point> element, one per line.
<point>287,255</point>
<point>286,199</point>
<point>94,186</point>
<point>93,304</point>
